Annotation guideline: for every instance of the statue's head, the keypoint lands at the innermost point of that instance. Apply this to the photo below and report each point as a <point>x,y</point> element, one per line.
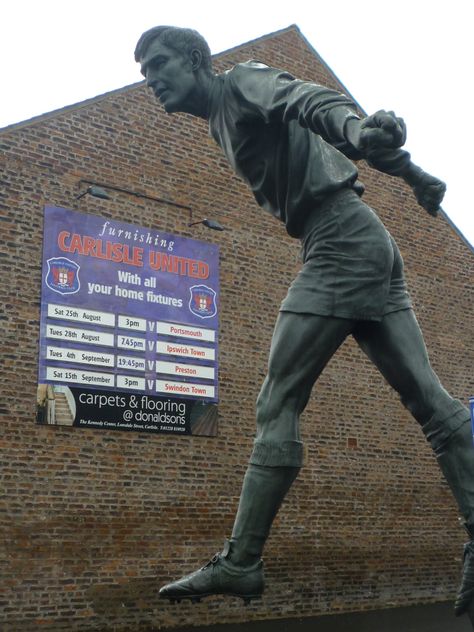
<point>174,62</point>
<point>182,40</point>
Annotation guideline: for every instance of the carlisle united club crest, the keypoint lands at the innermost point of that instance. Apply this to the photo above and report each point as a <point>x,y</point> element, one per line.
<point>63,275</point>
<point>203,301</point>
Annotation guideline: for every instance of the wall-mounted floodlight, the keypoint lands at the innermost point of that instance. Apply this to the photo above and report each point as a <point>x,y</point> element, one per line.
<point>209,223</point>
<point>95,191</point>
<point>99,190</point>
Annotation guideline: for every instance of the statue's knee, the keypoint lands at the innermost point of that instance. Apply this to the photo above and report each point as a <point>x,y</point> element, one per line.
<point>261,411</point>
<point>425,398</point>
<point>269,404</point>
<point>417,408</point>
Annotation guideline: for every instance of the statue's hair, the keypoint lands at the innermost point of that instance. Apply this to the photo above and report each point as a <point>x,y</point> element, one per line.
<point>182,40</point>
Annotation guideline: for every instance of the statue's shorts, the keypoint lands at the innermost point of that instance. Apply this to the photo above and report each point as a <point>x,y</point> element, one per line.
<point>352,266</point>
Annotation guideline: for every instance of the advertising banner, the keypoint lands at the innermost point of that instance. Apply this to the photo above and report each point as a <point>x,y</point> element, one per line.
<point>129,327</point>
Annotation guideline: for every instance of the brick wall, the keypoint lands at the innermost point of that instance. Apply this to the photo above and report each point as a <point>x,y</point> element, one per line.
<point>95,521</point>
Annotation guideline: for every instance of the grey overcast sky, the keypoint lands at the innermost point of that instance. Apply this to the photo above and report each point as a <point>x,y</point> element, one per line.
<point>412,56</point>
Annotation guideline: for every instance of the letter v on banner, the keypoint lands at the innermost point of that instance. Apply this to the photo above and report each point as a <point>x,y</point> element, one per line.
<point>151,345</point>
<point>151,365</point>
<point>151,325</point>
<point>150,384</point>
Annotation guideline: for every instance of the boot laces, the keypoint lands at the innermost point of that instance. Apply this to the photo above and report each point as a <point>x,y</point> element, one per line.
<point>212,562</point>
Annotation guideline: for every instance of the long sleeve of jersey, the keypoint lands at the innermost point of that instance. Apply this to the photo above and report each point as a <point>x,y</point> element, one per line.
<point>274,95</point>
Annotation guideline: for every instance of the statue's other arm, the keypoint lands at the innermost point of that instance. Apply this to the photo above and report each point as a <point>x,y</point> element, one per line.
<point>378,138</point>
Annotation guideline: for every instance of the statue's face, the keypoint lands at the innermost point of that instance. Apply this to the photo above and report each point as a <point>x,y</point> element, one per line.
<point>170,75</point>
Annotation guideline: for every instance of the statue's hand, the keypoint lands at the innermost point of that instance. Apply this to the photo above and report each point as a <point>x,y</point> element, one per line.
<point>429,193</point>
<point>382,130</point>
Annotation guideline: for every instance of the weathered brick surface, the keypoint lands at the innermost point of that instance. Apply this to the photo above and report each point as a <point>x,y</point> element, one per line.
<point>94,521</point>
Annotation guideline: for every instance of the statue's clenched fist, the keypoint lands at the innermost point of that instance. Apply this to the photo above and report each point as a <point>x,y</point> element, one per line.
<point>382,130</point>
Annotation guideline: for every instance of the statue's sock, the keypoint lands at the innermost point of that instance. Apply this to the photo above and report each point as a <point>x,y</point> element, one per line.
<point>263,491</point>
<point>456,460</point>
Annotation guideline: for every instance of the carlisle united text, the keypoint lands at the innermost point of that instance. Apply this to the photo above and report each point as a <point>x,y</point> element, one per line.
<point>118,252</point>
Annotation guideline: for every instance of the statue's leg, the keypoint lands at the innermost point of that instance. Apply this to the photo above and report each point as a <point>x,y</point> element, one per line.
<point>302,345</point>
<point>397,348</point>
